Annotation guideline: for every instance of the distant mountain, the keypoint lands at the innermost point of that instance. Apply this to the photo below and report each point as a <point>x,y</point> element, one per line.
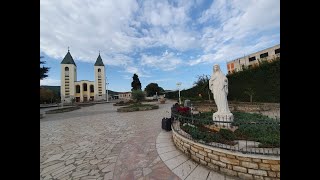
<point>56,89</point>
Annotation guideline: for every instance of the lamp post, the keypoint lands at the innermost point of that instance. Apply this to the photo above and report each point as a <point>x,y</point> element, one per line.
<point>107,89</point>
<point>179,84</point>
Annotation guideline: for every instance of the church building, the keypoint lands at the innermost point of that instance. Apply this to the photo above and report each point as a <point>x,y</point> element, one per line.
<point>83,90</point>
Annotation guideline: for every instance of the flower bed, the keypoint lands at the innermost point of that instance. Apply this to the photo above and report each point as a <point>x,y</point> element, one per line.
<point>137,107</point>
<point>246,126</point>
<point>61,110</point>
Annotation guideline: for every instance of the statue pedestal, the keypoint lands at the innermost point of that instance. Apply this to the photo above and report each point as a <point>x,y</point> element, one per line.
<point>226,117</point>
<point>225,120</point>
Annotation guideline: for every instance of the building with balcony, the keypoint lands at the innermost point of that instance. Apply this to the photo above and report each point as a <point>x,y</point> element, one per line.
<point>253,59</point>
<point>83,90</point>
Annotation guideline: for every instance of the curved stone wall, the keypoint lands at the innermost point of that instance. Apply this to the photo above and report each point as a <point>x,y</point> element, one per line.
<point>244,166</point>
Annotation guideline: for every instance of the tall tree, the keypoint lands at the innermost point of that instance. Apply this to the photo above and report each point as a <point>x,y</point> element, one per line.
<point>136,85</point>
<point>203,84</point>
<point>43,70</point>
<point>153,89</point>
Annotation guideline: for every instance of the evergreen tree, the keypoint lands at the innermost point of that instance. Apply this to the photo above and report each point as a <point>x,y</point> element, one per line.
<point>153,89</point>
<point>136,85</point>
<point>43,70</point>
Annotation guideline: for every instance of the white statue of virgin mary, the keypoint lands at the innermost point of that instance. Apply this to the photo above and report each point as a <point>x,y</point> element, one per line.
<point>218,85</point>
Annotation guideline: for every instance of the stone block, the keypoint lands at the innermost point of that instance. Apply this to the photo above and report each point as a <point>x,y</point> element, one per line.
<point>203,162</point>
<point>264,166</point>
<point>272,174</point>
<point>219,154</point>
<point>245,176</point>
<point>186,145</point>
<point>198,147</point>
<point>195,158</point>
<point>229,161</point>
<point>213,156</point>
<point>207,150</point>
<point>240,169</point>
<point>220,164</point>
<point>258,177</point>
<point>203,153</point>
<point>256,160</point>
<point>228,172</point>
<point>270,161</point>
<point>200,156</point>
<point>231,156</point>
<point>257,172</point>
<point>249,165</point>
<point>275,167</point>
<point>194,149</point>
<point>244,158</point>
<point>207,159</point>
<point>213,166</point>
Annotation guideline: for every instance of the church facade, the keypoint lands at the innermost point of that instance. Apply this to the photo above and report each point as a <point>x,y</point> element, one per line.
<point>83,90</point>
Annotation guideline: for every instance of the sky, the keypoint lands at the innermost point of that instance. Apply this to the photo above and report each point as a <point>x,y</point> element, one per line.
<point>164,42</point>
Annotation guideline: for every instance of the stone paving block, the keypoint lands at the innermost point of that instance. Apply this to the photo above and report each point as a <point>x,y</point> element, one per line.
<point>183,170</point>
<point>176,161</point>
<point>199,173</point>
<point>169,155</point>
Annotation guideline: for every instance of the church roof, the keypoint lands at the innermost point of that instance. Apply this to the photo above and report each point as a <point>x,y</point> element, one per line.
<point>99,61</point>
<point>68,59</point>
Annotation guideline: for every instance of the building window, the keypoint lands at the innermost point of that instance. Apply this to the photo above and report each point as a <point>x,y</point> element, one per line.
<point>264,55</point>
<point>252,59</point>
<point>84,87</point>
<point>91,88</point>
<point>277,51</point>
<point>66,71</point>
<point>77,88</point>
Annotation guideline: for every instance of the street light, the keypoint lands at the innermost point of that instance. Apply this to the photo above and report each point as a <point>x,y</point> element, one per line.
<point>107,89</point>
<point>179,84</point>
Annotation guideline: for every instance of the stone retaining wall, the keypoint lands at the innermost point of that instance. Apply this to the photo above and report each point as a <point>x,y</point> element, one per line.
<point>231,163</point>
<point>237,107</point>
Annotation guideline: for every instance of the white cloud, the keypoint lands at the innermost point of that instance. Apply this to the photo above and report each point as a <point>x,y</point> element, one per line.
<point>125,28</point>
<point>86,26</point>
<point>237,28</point>
<point>166,62</point>
<point>50,82</point>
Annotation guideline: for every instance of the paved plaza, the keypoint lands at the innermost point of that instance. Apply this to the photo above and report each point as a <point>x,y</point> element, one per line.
<point>96,142</point>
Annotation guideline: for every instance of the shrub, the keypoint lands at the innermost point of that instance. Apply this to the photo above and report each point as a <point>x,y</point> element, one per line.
<point>137,95</point>
<point>227,134</point>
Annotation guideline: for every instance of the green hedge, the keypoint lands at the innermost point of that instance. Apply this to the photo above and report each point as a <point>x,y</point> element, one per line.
<point>264,80</point>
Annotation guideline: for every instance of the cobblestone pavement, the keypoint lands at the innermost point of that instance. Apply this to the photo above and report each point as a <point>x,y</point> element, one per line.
<point>96,142</point>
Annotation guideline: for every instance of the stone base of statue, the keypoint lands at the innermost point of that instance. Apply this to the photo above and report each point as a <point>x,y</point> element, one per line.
<point>225,119</point>
<point>222,117</point>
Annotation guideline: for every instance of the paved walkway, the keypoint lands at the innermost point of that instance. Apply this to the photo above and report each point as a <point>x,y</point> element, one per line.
<point>182,165</point>
<point>96,142</point>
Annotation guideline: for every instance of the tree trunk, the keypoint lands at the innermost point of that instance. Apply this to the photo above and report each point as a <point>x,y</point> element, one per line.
<point>251,99</point>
